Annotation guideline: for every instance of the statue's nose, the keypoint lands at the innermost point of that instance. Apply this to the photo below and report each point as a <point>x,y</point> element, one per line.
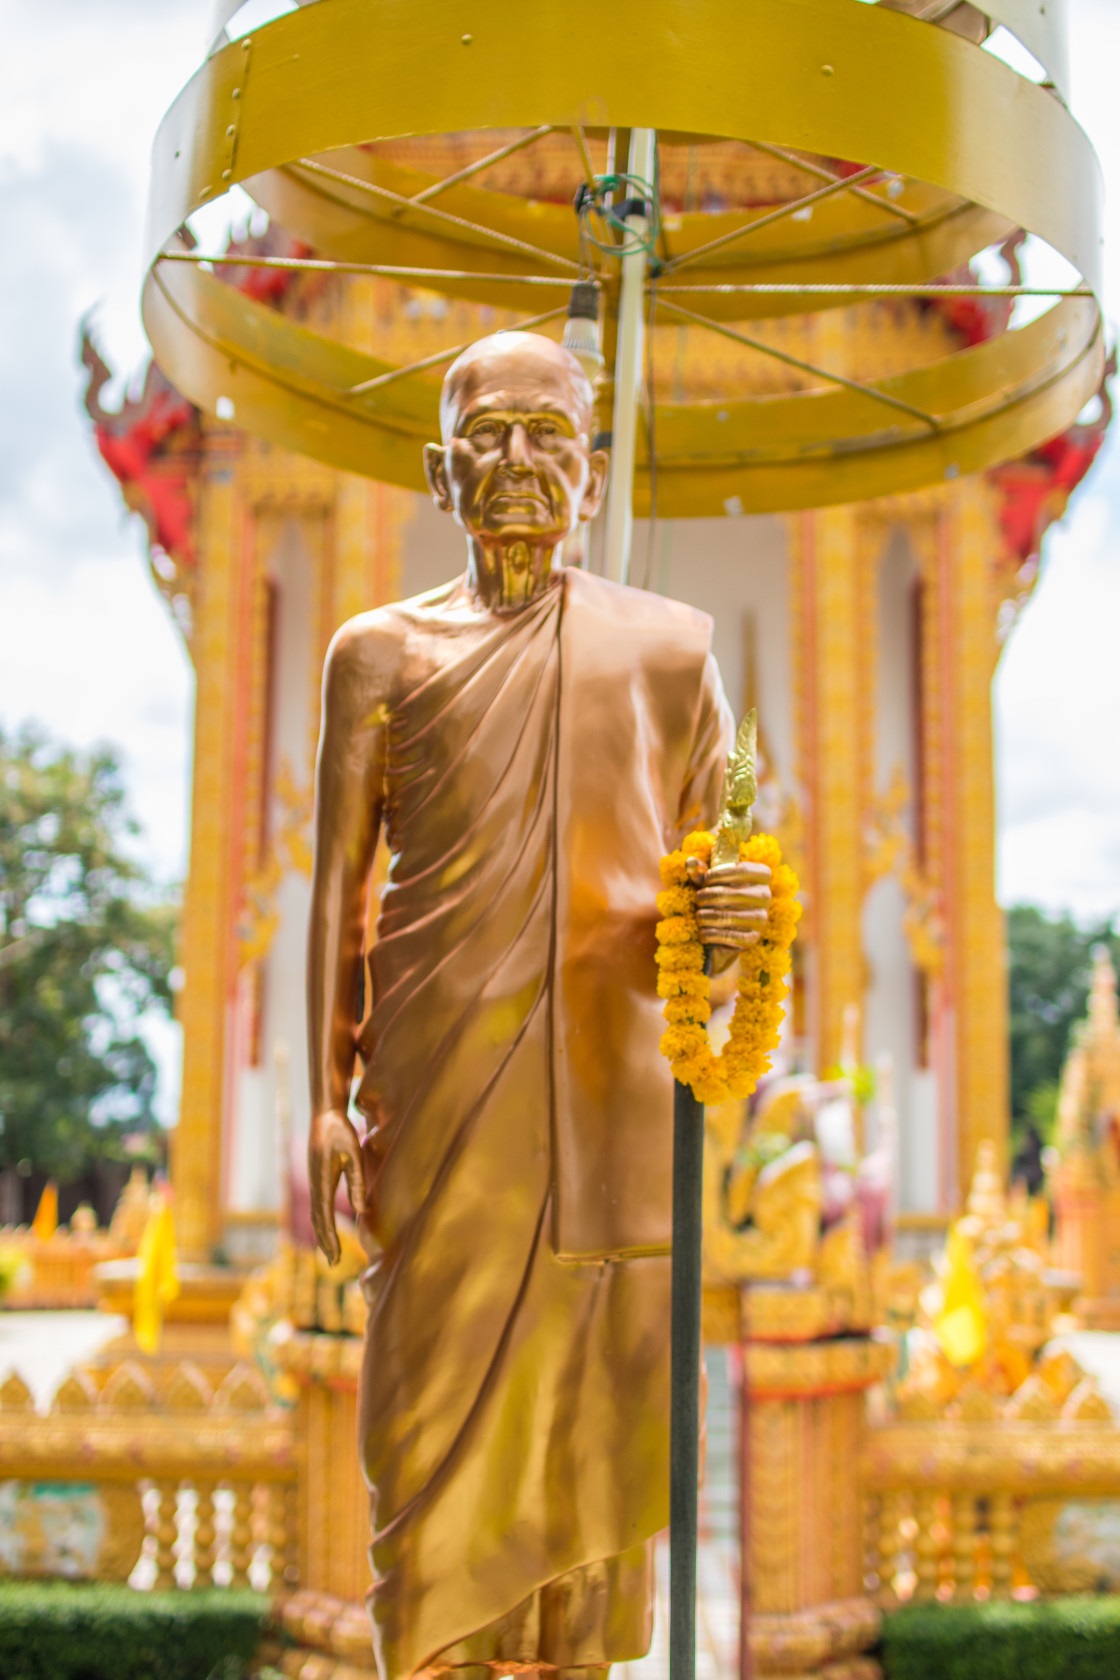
<point>518,455</point>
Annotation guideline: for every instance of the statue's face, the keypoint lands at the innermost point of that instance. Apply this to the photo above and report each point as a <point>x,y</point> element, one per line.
<point>516,462</point>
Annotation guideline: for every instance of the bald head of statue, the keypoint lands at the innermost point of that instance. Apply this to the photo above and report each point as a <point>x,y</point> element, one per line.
<point>515,468</point>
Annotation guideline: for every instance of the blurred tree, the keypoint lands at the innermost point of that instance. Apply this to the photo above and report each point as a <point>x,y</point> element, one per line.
<point>86,948</point>
<point>1049,969</point>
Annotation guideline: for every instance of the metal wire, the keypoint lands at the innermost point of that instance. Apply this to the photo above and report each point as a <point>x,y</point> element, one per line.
<point>804,367</point>
<point>332,400</point>
<point>594,201</point>
<point>783,210</point>
<point>580,139</point>
<point>320,265</point>
<point>505,239</point>
<point>482,163</point>
<point>871,289</point>
<point>447,355</point>
<point>830,175</point>
<point>650,427</point>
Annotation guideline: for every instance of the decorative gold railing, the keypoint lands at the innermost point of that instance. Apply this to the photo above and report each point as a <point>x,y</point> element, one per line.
<point>997,1505</point>
<point>58,1271</point>
<point>178,1487</point>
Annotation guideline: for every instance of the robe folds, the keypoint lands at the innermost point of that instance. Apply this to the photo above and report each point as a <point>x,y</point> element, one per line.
<point>514,1401</point>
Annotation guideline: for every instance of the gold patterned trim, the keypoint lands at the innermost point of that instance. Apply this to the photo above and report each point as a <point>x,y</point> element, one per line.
<point>803,1641</point>
<point>807,1370</point>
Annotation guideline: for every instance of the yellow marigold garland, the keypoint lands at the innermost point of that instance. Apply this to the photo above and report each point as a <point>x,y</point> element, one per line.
<point>681,980</point>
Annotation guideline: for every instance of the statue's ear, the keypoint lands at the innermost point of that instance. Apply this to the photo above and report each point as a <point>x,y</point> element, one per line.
<point>435,471</point>
<point>599,465</point>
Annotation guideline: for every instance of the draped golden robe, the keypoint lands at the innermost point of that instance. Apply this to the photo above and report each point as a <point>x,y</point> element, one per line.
<point>514,1405</point>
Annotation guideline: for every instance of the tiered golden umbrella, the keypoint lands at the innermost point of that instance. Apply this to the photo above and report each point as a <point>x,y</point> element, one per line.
<point>954,150</point>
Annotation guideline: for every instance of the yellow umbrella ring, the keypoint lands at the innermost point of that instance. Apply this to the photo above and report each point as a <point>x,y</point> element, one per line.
<point>301,112</point>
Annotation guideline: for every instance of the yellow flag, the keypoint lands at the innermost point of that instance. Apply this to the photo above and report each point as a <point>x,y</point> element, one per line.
<point>45,1223</point>
<point>961,1327</point>
<point>157,1282</point>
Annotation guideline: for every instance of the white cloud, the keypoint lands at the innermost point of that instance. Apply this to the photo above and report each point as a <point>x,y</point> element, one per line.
<point>86,647</point>
<point>106,666</point>
<point>1057,693</point>
<point>1057,701</point>
<point>85,644</point>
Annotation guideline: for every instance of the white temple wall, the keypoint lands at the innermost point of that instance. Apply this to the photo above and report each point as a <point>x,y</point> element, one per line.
<point>890,1022</point>
<point>254,1145</point>
<point>433,549</point>
<point>737,570</point>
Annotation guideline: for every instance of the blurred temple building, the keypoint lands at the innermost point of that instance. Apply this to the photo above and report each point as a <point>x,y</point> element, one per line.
<point>867,634</point>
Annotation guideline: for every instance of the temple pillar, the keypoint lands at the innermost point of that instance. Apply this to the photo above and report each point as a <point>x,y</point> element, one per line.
<point>803,1425</point>
<point>322,1353</point>
<point>208,954</point>
<point>834,688</point>
<point>252,1171</point>
<point>981,978</point>
<point>369,518</point>
<point>368,515</point>
<point>968,1002</point>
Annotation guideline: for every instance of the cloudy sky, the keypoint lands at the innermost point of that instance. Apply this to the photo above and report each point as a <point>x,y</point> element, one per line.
<point>85,644</point>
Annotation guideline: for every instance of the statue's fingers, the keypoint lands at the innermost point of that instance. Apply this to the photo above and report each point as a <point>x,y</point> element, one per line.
<point>734,898</point>
<point>326,1233</point>
<point>727,939</point>
<point>736,874</point>
<point>739,937</point>
<point>731,921</point>
<point>355,1180</point>
<point>722,916</point>
<point>322,1207</point>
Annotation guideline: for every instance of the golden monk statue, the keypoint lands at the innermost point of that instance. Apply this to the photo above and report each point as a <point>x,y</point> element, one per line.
<point>533,739</point>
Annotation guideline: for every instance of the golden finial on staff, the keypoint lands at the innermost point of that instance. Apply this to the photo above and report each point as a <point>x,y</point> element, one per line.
<point>740,790</point>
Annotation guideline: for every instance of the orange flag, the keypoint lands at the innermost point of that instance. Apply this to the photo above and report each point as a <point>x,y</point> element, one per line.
<point>45,1223</point>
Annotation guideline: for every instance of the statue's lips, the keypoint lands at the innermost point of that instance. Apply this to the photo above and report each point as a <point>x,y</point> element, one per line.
<point>508,499</point>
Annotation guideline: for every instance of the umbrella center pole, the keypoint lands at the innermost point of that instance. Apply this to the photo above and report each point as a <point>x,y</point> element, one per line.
<point>628,372</point>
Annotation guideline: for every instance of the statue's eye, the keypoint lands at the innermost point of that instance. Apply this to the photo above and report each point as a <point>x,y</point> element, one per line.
<point>545,428</point>
<point>486,430</point>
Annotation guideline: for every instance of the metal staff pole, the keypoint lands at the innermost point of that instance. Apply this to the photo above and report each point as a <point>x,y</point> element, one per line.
<point>684,1404</point>
<point>688,1113</point>
<point>740,787</point>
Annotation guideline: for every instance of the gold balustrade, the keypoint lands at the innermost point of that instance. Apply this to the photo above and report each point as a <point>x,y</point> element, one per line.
<point>946,1499</point>
<point>997,1506</point>
<point>174,1487</point>
<point>58,1271</point>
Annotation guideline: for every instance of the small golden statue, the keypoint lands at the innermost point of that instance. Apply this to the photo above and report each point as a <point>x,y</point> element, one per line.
<point>532,739</point>
<point>740,790</point>
<point>782,1239</point>
<point>131,1212</point>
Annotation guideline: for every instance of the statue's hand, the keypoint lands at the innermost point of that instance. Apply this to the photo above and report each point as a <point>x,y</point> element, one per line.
<point>333,1149</point>
<point>731,905</point>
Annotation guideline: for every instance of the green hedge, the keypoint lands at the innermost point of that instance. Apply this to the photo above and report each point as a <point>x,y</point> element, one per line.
<point>1062,1639</point>
<point>55,1630</point>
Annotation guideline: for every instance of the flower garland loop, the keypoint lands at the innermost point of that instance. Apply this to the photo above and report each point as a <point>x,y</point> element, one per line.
<point>681,980</point>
